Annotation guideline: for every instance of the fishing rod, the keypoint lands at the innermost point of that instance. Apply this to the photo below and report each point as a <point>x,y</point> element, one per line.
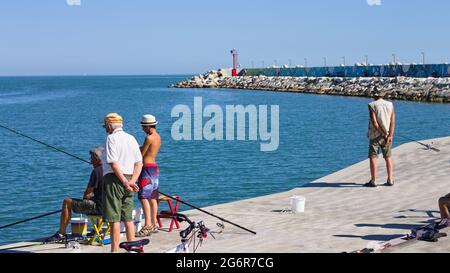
<point>209,213</point>
<point>429,146</point>
<point>81,159</point>
<point>29,219</point>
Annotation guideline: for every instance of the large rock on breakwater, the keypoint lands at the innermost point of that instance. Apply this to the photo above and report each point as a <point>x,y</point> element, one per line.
<point>400,88</point>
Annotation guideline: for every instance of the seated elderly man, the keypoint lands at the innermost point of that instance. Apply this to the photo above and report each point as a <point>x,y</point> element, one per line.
<point>92,198</point>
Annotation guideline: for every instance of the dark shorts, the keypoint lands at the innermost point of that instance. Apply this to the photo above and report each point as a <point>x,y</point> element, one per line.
<point>148,182</point>
<point>379,143</point>
<point>84,206</point>
<point>118,204</point>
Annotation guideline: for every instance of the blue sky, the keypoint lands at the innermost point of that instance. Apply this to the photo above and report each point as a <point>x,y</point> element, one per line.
<point>50,37</point>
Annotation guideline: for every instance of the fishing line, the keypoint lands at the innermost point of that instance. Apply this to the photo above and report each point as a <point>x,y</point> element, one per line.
<point>429,146</point>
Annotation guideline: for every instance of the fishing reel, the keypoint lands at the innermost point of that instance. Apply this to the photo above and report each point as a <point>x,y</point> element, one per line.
<point>203,230</point>
<point>72,245</point>
<point>73,242</point>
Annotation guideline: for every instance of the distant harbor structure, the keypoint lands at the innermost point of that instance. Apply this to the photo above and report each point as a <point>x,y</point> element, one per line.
<point>414,82</point>
<point>359,70</point>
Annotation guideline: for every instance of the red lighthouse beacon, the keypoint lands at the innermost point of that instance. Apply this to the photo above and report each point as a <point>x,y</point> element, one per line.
<point>235,62</point>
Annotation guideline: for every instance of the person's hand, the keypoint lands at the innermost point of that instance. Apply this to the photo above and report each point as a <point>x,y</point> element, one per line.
<point>134,186</point>
<point>87,197</point>
<point>127,186</point>
<point>389,140</point>
<point>90,196</point>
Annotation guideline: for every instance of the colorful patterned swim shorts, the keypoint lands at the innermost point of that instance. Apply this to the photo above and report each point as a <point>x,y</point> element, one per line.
<point>149,182</point>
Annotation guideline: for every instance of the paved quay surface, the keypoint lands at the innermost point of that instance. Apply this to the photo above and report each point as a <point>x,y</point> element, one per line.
<point>340,214</point>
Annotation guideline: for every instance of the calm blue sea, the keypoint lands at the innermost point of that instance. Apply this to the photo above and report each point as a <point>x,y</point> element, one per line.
<point>318,135</point>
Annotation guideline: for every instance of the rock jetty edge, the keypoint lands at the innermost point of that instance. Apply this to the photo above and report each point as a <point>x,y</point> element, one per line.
<point>399,88</point>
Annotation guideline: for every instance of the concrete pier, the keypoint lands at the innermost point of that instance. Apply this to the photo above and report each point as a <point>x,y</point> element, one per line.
<point>340,215</point>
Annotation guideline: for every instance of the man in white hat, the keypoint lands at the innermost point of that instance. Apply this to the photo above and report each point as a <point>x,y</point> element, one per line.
<point>121,170</point>
<point>149,179</point>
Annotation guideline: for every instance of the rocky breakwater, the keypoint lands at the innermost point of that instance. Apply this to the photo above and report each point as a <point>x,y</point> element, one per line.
<point>400,88</point>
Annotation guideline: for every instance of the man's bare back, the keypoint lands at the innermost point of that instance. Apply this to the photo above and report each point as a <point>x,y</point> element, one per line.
<point>151,147</point>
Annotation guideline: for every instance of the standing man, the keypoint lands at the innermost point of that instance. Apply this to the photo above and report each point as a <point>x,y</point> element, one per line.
<point>148,180</point>
<point>121,171</point>
<point>381,132</point>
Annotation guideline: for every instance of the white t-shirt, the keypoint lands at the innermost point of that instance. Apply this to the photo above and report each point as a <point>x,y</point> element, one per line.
<point>121,148</point>
<point>383,111</point>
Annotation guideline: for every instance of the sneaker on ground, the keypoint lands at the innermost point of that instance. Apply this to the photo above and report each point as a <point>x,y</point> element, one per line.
<point>57,237</point>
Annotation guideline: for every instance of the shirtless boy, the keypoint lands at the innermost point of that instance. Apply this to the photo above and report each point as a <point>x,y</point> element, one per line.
<point>148,180</point>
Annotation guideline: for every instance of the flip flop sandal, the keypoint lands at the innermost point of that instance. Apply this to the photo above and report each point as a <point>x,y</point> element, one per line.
<point>389,184</point>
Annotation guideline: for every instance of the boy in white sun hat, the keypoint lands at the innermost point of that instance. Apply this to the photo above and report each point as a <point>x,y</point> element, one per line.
<point>149,179</point>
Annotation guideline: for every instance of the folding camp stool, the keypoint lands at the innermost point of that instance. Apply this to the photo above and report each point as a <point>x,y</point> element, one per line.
<point>171,213</point>
<point>99,232</point>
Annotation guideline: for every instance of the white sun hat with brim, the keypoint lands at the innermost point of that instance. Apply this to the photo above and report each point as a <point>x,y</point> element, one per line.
<point>148,120</point>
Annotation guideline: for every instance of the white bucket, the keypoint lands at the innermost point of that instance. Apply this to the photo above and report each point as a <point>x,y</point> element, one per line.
<point>297,203</point>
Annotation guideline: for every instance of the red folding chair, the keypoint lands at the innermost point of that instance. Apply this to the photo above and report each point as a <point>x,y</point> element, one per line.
<point>170,214</point>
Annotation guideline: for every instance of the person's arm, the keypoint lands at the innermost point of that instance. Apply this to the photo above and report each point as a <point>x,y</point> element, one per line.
<point>136,172</point>
<point>138,163</point>
<point>146,145</point>
<point>377,127</point>
<point>391,128</point>
<point>88,193</point>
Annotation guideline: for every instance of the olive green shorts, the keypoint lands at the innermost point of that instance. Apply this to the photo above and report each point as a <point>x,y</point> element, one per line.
<point>118,204</point>
<point>379,143</point>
